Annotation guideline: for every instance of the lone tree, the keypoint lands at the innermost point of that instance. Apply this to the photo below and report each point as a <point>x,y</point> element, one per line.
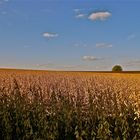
<point>117,68</point>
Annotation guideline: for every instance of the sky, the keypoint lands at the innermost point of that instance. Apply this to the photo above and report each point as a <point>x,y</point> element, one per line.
<point>92,35</point>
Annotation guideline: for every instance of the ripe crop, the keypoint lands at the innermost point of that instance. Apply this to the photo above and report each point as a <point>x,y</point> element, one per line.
<point>69,105</point>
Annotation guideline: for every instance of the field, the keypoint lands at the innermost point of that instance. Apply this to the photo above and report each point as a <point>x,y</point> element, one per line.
<point>45,105</point>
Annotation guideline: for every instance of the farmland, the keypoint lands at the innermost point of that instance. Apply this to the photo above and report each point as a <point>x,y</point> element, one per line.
<point>69,105</point>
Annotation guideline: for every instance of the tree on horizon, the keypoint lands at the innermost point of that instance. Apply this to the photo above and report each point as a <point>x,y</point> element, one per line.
<point>117,68</point>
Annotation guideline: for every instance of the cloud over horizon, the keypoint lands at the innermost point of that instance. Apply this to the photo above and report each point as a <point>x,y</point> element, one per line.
<point>90,58</point>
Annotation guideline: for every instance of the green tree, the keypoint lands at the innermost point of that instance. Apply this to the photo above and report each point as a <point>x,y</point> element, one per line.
<point>117,68</point>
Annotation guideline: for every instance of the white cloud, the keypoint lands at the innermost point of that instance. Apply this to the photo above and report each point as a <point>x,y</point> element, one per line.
<point>80,15</point>
<point>90,58</point>
<point>50,35</point>
<point>99,15</point>
<point>103,45</point>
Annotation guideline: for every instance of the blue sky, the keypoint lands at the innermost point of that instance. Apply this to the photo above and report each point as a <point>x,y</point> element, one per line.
<point>70,34</point>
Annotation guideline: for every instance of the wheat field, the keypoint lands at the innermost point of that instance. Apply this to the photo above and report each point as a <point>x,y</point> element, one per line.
<point>69,105</point>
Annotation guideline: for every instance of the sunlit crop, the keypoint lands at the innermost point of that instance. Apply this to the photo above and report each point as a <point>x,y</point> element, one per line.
<point>68,105</point>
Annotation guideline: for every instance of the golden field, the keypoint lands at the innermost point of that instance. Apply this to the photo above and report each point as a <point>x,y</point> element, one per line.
<point>80,105</point>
